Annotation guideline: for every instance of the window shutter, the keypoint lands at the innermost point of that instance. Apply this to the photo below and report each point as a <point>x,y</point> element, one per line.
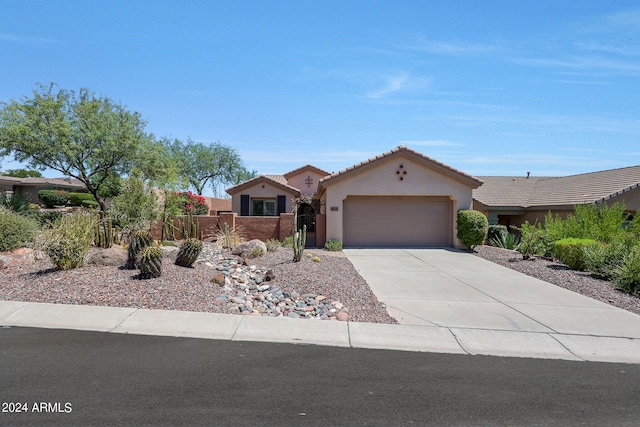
<point>282,204</point>
<point>244,205</point>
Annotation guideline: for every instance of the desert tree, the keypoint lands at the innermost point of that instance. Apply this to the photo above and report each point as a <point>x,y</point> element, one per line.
<point>83,136</point>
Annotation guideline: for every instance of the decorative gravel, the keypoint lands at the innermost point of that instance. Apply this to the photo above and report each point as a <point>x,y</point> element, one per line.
<point>561,275</point>
<point>188,289</point>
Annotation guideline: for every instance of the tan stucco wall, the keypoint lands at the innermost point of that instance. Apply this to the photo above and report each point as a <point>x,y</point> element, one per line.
<point>298,181</point>
<point>383,180</point>
<point>631,200</point>
<point>262,190</point>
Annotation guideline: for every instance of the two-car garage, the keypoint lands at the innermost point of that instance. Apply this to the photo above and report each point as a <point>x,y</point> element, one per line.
<point>397,221</point>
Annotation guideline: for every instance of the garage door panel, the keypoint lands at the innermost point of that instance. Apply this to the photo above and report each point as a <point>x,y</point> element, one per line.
<point>397,221</point>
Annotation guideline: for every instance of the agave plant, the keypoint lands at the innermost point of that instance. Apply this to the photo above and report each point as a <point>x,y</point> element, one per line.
<point>506,241</point>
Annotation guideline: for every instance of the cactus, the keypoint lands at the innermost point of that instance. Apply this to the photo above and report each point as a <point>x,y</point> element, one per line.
<point>299,240</point>
<point>188,253</point>
<point>139,240</point>
<point>150,262</point>
<point>188,227</point>
<point>104,232</point>
<point>227,236</point>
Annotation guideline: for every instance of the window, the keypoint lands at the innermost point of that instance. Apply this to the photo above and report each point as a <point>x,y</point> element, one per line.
<point>263,207</point>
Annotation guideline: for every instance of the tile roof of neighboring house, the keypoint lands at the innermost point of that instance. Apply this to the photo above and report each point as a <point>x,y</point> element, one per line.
<point>295,172</point>
<point>33,182</point>
<point>441,167</point>
<point>276,180</point>
<point>557,191</point>
<point>505,190</point>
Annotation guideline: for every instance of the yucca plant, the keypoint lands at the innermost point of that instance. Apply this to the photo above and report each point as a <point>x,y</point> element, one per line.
<point>139,240</point>
<point>150,262</point>
<point>188,253</point>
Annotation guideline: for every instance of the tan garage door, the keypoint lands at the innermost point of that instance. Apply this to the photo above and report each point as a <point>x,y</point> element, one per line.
<point>397,221</point>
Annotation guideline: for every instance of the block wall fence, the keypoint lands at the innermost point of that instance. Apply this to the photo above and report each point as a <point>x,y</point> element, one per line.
<point>253,227</point>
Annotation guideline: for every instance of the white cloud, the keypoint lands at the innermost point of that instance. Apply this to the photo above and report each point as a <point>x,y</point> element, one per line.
<point>393,84</point>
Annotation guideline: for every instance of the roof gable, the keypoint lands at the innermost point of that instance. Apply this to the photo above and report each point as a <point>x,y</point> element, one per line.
<point>406,152</point>
<point>277,181</point>
<point>303,169</point>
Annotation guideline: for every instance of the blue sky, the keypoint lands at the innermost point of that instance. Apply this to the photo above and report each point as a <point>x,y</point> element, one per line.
<point>488,87</point>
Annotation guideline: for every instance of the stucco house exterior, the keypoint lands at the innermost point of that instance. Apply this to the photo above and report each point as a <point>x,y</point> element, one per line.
<point>511,200</point>
<point>400,198</point>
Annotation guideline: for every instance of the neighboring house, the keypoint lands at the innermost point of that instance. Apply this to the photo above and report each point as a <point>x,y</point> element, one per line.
<point>29,187</point>
<point>400,198</point>
<point>509,200</point>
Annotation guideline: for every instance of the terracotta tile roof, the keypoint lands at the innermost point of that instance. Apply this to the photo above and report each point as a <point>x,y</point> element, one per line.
<point>277,180</point>
<point>557,191</point>
<point>447,170</point>
<point>312,168</point>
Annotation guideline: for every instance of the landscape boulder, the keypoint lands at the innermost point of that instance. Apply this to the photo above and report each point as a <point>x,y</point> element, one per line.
<point>248,248</point>
<point>113,256</point>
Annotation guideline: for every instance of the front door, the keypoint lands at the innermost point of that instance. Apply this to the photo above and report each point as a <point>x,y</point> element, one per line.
<point>307,216</point>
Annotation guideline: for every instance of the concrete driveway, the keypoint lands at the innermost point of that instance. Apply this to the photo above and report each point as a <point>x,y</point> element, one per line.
<point>487,306</point>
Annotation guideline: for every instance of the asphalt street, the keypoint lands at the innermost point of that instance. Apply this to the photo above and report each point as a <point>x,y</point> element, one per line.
<point>78,378</point>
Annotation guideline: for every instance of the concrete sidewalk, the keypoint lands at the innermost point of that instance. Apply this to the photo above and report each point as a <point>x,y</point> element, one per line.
<point>446,302</point>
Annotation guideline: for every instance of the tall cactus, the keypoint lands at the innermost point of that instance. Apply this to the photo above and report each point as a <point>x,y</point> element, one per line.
<point>188,253</point>
<point>150,262</point>
<point>299,240</point>
<point>227,236</point>
<point>188,227</point>
<point>139,240</point>
<point>104,232</point>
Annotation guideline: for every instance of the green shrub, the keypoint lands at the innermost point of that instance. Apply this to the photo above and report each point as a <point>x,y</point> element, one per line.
<point>77,199</point>
<point>49,219</point>
<point>136,207</point>
<point>333,245</point>
<point>601,260</point>
<point>287,242</point>
<point>599,222</point>
<point>16,230</point>
<point>533,240</point>
<point>472,228</point>
<point>570,251</point>
<point>627,275</point>
<point>496,232</point>
<point>67,244</point>
<point>255,253</point>
<point>272,244</point>
<point>51,198</point>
